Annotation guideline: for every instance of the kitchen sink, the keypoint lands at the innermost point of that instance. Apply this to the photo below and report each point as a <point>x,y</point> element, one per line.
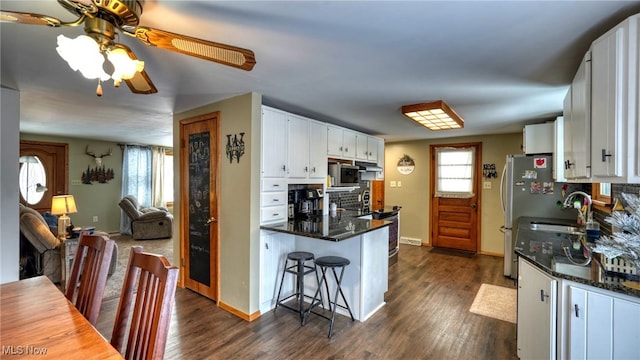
<point>562,265</point>
<point>557,228</point>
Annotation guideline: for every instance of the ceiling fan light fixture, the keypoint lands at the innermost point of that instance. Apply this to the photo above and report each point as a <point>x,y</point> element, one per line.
<point>125,68</point>
<point>83,54</point>
<point>436,115</point>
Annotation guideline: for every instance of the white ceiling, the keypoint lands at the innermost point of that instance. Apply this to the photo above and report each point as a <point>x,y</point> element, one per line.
<point>499,64</point>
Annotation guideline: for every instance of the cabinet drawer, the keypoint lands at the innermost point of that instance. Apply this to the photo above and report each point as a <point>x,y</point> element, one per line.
<point>273,198</point>
<point>273,213</point>
<point>274,185</point>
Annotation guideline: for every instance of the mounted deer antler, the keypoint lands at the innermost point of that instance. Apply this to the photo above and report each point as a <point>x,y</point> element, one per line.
<point>98,159</point>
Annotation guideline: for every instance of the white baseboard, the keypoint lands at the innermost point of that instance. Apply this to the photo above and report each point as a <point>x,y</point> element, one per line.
<point>410,241</point>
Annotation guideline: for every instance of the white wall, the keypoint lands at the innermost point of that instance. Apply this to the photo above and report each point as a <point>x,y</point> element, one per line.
<point>9,153</point>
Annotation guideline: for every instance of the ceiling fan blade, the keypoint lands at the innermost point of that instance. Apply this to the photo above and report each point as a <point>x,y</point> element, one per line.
<point>29,18</point>
<point>224,54</point>
<point>140,83</point>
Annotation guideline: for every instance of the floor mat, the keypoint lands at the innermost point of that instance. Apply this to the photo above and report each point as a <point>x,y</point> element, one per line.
<point>498,302</point>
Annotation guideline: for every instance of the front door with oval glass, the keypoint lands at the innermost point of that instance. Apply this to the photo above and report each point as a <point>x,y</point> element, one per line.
<point>43,173</point>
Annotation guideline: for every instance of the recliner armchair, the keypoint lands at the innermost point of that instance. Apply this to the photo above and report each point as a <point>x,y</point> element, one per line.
<point>45,244</point>
<point>42,242</point>
<point>147,222</point>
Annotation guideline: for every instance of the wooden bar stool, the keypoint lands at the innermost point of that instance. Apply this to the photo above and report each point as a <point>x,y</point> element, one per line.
<point>331,262</point>
<point>299,269</point>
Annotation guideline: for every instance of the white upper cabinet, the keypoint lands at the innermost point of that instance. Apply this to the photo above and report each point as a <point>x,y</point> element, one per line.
<point>293,147</point>
<point>614,103</point>
<point>604,110</point>
<point>341,142</point>
<point>274,144</point>
<point>366,148</point>
<point>362,150</point>
<point>298,143</point>
<point>577,128</point>
<point>348,144</point>
<point>317,155</point>
<point>372,146</point>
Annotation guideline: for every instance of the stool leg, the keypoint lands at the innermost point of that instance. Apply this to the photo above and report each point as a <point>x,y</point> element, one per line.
<point>335,301</point>
<point>300,286</point>
<point>315,295</point>
<point>284,271</point>
<point>342,293</point>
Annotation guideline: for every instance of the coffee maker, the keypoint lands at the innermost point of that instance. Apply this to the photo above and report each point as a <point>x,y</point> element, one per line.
<point>305,203</point>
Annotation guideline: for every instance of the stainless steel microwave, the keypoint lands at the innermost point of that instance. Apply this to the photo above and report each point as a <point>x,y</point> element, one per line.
<point>344,175</point>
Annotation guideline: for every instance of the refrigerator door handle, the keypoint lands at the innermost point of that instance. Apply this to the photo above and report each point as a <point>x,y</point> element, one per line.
<point>502,188</point>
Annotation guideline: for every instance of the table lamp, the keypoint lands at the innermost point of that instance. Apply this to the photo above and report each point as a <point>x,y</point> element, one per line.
<point>62,205</point>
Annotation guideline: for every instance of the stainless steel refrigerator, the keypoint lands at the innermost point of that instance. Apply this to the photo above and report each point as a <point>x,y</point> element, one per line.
<point>527,189</point>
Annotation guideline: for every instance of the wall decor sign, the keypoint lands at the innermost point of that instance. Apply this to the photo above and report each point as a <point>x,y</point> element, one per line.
<point>97,174</point>
<point>406,165</point>
<point>235,147</point>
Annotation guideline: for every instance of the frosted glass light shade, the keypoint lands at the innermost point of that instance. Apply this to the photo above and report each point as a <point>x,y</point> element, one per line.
<point>83,54</point>
<point>124,67</point>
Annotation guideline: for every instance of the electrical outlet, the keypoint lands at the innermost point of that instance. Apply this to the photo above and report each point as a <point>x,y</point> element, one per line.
<point>76,182</point>
<point>95,219</point>
<point>486,185</point>
<point>399,183</point>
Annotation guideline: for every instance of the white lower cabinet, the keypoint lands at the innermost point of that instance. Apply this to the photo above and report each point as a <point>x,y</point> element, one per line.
<point>536,328</point>
<point>274,247</point>
<point>599,324</point>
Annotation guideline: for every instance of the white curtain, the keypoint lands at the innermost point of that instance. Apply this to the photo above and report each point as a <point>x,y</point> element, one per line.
<point>454,172</point>
<point>158,168</point>
<point>136,179</point>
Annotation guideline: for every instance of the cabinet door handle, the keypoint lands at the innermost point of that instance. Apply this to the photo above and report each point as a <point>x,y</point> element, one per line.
<point>605,155</point>
<point>313,169</point>
<point>577,309</point>
<point>275,200</point>
<point>568,164</point>
<point>542,295</point>
<point>284,167</point>
<point>306,169</point>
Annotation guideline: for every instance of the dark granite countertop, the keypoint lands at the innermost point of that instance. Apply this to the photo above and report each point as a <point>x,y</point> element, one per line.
<point>341,226</point>
<point>544,250</point>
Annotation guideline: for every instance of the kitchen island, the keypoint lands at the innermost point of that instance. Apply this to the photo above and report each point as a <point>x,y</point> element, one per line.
<point>365,242</point>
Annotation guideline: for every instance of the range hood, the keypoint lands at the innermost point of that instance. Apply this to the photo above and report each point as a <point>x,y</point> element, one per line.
<point>368,167</point>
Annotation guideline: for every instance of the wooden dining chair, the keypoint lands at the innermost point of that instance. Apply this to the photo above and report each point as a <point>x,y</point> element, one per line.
<point>88,279</point>
<point>152,280</point>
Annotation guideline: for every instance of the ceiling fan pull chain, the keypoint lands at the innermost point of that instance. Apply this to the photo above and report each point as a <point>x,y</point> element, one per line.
<point>99,89</point>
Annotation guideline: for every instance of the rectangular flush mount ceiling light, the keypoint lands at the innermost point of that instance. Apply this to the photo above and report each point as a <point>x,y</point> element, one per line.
<point>436,115</point>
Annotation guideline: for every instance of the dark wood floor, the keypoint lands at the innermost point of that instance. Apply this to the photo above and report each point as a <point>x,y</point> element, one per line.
<point>426,317</point>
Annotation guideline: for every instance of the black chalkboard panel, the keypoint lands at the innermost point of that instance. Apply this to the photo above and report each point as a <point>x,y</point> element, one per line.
<point>199,183</point>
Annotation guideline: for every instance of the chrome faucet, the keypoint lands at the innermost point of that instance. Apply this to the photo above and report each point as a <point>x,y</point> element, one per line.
<point>568,203</point>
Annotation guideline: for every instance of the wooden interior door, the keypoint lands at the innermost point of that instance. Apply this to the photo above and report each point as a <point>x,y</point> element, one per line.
<point>55,160</point>
<point>199,165</point>
<point>454,221</point>
<point>377,195</point>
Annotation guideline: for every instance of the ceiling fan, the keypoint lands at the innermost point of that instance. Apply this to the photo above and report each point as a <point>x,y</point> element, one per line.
<point>101,18</point>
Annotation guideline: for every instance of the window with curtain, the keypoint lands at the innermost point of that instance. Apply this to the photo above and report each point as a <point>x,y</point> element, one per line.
<point>454,172</point>
<point>136,179</point>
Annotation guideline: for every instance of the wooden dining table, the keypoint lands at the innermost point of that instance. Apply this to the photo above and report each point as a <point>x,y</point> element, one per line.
<point>37,321</point>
